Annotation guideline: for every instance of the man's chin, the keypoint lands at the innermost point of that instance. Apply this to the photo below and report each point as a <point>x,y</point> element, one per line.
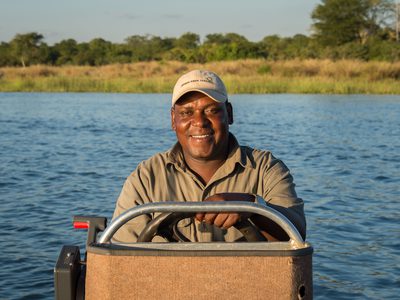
<point>202,156</point>
<point>205,154</point>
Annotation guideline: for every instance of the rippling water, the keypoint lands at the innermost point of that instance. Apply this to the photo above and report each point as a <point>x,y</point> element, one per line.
<point>67,154</point>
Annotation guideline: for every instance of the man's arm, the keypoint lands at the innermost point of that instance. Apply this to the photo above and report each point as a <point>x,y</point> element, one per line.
<point>129,197</point>
<point>268,228</point>
<point>279,193</point>
<point>225,220</point>
<point>274,232</point>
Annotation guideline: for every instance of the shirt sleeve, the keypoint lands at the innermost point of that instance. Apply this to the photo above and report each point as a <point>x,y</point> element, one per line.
<point>133,194</point>
<point>280,194</point>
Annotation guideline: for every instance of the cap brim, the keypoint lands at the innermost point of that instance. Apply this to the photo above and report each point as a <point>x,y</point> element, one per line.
<point>213,94</point>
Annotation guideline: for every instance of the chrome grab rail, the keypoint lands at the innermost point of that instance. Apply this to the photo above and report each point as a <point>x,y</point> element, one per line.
<point>232,206</point>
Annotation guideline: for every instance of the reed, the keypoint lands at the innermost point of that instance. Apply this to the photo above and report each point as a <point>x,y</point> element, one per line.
<point>242,76</point>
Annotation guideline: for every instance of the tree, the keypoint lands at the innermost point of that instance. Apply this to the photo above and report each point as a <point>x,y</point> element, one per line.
<point>215,38</point>
<point>6,58</point>
<point>299,46</point>
<point>26,47</point>
<point>145,48</point>
<point>83,56</point>
<point>274,47</point>
<point>99,50</point>
<point>380,17</point>
<point>337,22</point>
<point>188,41</point>
<point>229,46</point>
<point>120,53</point>
<point>66,51</point>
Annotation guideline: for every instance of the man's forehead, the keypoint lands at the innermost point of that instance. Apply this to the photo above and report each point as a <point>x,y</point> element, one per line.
<point>199,103</point>
<point>196,99</point>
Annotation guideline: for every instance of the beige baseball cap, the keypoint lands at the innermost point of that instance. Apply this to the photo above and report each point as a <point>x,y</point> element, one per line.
<point>205,82</point>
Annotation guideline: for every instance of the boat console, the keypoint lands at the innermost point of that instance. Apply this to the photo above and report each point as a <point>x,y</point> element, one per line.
<point>180,269</point>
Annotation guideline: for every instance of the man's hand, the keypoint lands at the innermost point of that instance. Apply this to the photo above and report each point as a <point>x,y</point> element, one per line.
<point>225,220</point>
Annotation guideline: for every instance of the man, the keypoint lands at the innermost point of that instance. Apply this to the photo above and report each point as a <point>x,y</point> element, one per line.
<point>208,164</point>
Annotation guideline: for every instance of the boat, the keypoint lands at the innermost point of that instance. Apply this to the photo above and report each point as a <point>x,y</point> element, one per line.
<point>254,269</point>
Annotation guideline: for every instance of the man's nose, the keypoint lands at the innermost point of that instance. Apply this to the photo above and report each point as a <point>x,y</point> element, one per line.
<point>200,119</point>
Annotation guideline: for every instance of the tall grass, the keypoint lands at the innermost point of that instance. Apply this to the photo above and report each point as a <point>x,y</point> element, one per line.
<point>243,76</point>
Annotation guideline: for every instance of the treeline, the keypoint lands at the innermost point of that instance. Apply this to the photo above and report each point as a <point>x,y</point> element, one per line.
<point>343,29</point>
<point>29,49</point>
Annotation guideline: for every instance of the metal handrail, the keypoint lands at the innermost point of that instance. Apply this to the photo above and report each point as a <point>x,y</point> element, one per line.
<point>232,206</point>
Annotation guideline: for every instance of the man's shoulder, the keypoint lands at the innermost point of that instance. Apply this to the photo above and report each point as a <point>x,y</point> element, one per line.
<point>150,168</point>
<point>160,159</point>
<point>255,153</point>
<point>261,158</point>
<point>255,150</point>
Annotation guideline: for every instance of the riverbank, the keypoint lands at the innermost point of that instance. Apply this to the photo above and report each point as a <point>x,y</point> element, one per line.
<point>241,77</point>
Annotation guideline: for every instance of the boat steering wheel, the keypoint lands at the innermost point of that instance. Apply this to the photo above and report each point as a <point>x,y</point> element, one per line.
<point>166,226</point>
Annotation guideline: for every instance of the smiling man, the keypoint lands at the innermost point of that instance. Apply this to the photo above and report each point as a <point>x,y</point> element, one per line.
<point>208,164</point>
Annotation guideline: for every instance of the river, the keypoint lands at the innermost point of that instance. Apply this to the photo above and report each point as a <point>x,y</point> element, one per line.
<point>66,154</point>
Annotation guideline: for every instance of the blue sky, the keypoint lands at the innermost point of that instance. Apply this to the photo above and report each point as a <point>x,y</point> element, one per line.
<point>115,20</point>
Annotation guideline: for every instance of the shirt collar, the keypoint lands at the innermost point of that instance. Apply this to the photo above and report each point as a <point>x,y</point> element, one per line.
<point>236,155</point>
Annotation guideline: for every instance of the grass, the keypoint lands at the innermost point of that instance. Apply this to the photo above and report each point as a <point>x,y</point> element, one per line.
<point>243,76</point>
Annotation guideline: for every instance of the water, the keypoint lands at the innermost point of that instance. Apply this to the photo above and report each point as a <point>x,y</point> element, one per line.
<point>66,154</point>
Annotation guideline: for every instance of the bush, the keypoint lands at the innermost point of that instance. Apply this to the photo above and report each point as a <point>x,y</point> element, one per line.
<point>264,69</point>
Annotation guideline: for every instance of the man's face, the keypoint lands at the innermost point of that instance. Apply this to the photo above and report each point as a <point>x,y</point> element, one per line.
<point>202,126</point>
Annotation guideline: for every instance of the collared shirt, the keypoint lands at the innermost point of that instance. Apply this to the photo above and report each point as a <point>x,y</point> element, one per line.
<point>166,177</point>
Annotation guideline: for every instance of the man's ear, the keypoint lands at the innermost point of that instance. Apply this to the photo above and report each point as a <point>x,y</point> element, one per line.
<point>229,109</point>
<point>173,119</point>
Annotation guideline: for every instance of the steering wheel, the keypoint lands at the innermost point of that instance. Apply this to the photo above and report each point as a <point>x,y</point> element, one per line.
<point>166,226</point>
<point>295,239</point>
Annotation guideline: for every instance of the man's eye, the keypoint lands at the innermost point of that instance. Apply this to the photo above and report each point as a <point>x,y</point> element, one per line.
<point>185,113</point>
<point>212,111</point>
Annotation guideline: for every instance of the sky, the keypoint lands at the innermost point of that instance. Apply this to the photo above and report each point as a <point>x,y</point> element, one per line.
<point>115,20</point>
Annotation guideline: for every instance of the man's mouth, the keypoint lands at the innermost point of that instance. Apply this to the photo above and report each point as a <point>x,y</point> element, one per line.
<point>201,136</point>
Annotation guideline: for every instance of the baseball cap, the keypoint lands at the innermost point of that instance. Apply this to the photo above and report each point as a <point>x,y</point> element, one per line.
<point>205,82</point>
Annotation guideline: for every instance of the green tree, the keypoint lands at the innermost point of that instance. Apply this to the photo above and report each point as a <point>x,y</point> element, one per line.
<point>215,38</point>
<point>274,47</point>
<point>157,46</point>
<point>45,55</point>
<point>338,22</point>
<point>66,50</point>
<point>384,50</point>
<point>139,46</point>
<point>228,46</point>
<point>188,41</point>
<point>146,48</point>
<point>26,47</point>
<point>99,50</point>
<point>300,46</point>
<point>120,53</point>
<point>83,57</point>
<point>381,14</point>
<point>185,48</point>
<point>6,57</point>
